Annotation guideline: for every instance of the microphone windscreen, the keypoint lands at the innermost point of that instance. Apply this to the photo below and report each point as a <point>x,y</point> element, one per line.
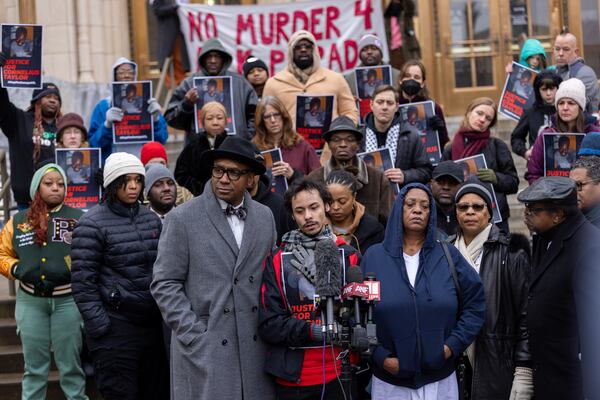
<point>354,275</point>
<point>328,280</point>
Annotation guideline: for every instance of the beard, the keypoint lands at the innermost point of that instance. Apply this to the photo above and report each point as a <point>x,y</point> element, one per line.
<point>304,63</point>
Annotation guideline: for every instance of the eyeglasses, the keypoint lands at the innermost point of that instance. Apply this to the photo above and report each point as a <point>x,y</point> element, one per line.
<point>348,139</point>
<point>232,174</point>
<point>530,210</point>
<point>464,207</point>
<point>580,184</point>
<point>272,116</point>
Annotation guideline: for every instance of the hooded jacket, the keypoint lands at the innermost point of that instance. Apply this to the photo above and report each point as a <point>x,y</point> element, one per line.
<point>364,232</point>
<point>180,115</point>
<point>283,221</point>
<point>101,136</point>
<point>531,47</point>
<point>411,157</point>
<point>414,323</point>
<point>534,118</point>
<point>578,69</point>
<point>321,81</point>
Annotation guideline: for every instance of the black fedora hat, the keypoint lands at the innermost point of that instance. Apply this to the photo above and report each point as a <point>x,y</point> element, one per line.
<point>237,149</point>
<point>342,124</point>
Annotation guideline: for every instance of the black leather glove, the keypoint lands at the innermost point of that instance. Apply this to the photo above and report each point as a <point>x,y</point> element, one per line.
<point>436,122</point>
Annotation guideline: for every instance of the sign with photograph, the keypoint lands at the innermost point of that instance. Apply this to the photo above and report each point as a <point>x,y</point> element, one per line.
<point>367,80</point>
<point>214,88</point>
<point>22,47</point>
<point>518,94</point>
<point>313,117</point>
<point>278,183</point>
<point>560,151</point>
<point>417,115</point>
<point>136,125</point>
<point>81,167</point>
<point>382,160</point>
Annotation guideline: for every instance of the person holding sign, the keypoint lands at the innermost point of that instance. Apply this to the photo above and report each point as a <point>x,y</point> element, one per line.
<point>106,114</point>
<point>35,248</point>
<point>71,132</point>
<point>384,128</point>
<point>37,124</point>
<point>570,118</point>
<point>475,137</point>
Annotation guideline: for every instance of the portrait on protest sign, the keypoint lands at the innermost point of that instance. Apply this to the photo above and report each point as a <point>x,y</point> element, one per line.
<point>367,80</point>
<point>81,167</point>
<point>470,166</point>
<point>278,183</point>
<point>417,115</point>
<point>313,117</point>
<point>22,47</point>
<point>518,94</point>
<point>215,88</point>
<point>560,151</point>
<point>136,125</point>
<point>382,160</point>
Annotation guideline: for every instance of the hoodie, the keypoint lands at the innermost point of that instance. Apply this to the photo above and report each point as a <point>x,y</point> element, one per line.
<point>534,118</point>
<point>531,47</point>
<point>180,115</point>
<point>101,136</point>
<point>414,323</point>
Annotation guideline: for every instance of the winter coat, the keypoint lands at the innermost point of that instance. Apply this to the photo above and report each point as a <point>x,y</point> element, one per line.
<point>411,157</point>
<point>180,115</point>
<point>498,157</point>
<point>302,158</point>
<point>447,223</point>
<point>578,69</point>
<point>17,125</point>
<point>283,220</point>
<point>442,132</point>
<point>208,292</point>
<point>189,173</point>
<point>350,78</point>
<point>168,31</point>
<point>562,310</point>
<point>414,323</point>
<point>593,216</point>
<point>503,340</point>
<point>535,166</point>
<point>113,252</point>
<point>364,232</point>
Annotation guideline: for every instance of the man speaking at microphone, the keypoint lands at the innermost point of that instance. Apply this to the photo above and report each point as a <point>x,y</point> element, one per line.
<point>288,321</point>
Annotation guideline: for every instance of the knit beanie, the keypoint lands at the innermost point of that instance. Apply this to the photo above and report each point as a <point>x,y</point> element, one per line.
<point>119,164</point>
<point>476,187</point>
<point>254,62</point>
<point>370,40</point>
<point>154,173</point>
<point>47,89</point>
<point>590,145</point>
<point>152,150</point>
<point>39,174</point>
<point>70,120</point>
<point>573,89</point>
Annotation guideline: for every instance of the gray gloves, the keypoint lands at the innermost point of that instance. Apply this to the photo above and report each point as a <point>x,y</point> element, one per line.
<point>154,108</point>
<point>114,114</point>
<point>522,387</point>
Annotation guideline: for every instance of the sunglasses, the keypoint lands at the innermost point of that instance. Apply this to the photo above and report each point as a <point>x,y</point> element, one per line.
<point>464,207</point>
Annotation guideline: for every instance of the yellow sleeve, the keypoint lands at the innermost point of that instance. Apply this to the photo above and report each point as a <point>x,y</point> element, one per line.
<point>8,256</point>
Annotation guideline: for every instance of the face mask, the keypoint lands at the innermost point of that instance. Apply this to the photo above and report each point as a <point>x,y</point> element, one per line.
<point>410,87</point>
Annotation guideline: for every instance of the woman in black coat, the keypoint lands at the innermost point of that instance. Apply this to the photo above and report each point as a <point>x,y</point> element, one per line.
<point>348,217</point>
<point>499,355</point>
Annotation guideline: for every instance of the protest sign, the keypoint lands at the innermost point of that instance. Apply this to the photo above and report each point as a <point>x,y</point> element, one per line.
<point>417,115</point>
<point>264,30</point>
<point>214,88</point>
<point>367,80</point>
<point>382,160</point>
<point>560,151</point>
<point>313,117</point>
<point>470,166</point>
<point>136,125</point>
<point>278,183</point>
<point>518,94</point>
<point>22,47</point>
<point>81,167</point>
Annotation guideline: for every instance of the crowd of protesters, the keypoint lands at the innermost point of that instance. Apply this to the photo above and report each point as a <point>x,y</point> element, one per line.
<point>180,279</point>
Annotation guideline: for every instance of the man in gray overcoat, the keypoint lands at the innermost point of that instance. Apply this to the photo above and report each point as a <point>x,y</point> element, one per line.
<point>207,280</point>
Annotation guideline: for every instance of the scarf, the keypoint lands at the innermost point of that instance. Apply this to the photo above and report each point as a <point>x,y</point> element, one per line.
<point>391,140</point>
<point>296,239</point>
<point>467,143</point>
<point>472,252</point>
<point>358,168</point>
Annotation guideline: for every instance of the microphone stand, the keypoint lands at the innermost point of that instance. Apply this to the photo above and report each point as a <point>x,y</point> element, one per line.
<point>346,368</point>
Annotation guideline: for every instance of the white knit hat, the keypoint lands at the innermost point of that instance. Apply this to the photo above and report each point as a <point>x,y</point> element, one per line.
<point>573,89</point>
<point>119,164</point>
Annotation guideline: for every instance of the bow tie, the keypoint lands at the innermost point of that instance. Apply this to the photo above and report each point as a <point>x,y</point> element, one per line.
<point>240,212</point>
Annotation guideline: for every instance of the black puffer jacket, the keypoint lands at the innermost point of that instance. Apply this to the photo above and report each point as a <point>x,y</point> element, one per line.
<point>503,341</point>
<point>113,251</point>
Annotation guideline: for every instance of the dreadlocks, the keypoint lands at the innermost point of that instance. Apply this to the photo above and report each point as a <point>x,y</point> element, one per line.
<point>38,129</point>
<point>110,193</point>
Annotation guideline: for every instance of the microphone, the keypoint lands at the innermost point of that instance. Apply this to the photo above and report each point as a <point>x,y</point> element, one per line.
<point>374,296</point>
<point>355,289</point>
<point>328,280</point>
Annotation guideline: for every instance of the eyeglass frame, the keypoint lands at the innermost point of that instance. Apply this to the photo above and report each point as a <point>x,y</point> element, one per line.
<point>580,185</point>
<point>272,116</point>
<point>535,211</point>
<point>227,171</point>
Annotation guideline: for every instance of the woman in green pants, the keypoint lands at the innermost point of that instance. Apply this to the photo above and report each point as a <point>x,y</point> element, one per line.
<point>35,248</point>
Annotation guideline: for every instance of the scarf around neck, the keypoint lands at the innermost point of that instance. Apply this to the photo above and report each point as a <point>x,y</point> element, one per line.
<point>473,251</point>
<point>296,239</point>
<point>391,140</point>
<point>467,143</point>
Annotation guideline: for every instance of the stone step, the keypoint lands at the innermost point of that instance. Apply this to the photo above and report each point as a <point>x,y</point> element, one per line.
<point>10,387</point>
<point>7,307</point>
<point>8,332</point>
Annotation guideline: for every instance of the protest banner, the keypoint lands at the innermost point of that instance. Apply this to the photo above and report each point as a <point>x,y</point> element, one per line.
<point>313,117</point>
<point>367,80</point>
<point>278,183</point>
<point>264,30</point>
<point>382,160</point>
<point>214,88</point>
<point>22,47</point>
<point>470,166</point>
<point>417,115</point>
<point>136,125</point>
<point>518,94</point>
<point>560,151</point>
<point>81,167</point>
